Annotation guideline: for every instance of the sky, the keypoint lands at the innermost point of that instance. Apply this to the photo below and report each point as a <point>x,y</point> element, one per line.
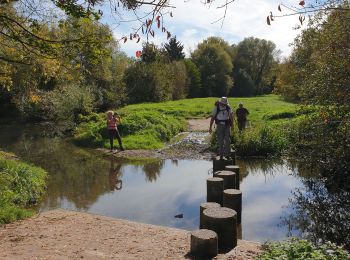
<point>192,22</point>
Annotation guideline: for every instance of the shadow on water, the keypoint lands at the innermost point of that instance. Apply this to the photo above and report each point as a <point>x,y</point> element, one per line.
<point>279,198</point>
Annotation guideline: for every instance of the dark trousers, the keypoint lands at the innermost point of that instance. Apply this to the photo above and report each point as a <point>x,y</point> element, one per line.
<point>241,124</point>
<point>114,133</point>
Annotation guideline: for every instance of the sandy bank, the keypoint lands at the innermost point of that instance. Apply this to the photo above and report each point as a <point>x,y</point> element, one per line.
<point>61,234</point>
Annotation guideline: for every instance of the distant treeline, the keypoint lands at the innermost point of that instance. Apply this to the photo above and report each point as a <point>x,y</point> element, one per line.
<point>74,66</point>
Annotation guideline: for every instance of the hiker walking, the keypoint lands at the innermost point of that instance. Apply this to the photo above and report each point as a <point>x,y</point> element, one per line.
<point>223,117</point>
<point>241,114</point>
<point>112,122</point>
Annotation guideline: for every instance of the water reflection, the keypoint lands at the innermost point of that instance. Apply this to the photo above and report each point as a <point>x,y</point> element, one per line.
<point>319,213</point>
<point>115,174</point>
<point>155,191</point>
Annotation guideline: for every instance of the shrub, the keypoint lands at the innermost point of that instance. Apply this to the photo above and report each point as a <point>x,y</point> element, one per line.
<point>260,141</point>
<point>301,249</point>
<point>21,186</point>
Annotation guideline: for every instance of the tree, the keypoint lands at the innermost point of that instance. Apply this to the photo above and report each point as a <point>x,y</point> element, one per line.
<point>256,57</point>
<point>215,66</point>
<point>174,50</point>
<point>242,78</point>
<point>150,52</point>
<point>321,75</point>
<point>194,84</point>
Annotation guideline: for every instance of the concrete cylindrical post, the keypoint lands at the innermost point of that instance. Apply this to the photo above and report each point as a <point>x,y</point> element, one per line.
<point>239,231</point>
<point>235,169</point>
<point>233,199</point>
<point>229,178</point>
<point>219,164</point>
<point>215,188</point>
<point>204,206</point>
<point>224,222</point>
<point>204,243</point>
<point>233,156</point>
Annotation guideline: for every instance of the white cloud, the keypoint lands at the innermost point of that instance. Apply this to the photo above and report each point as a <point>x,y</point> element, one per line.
<point>192,22</point>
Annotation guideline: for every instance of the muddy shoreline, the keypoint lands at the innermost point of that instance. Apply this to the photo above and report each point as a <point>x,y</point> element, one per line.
<point>62,234</point>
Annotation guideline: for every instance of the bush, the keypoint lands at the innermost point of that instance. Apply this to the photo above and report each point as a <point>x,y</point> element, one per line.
<point>322,140</point>
<point>67,102</point>
<point>301,249</point>
<point>260,141</point>
<point>21,186</point>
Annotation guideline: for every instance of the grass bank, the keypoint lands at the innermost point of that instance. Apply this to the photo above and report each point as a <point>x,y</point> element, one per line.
<point>21,186</point>
<point>149,126</point>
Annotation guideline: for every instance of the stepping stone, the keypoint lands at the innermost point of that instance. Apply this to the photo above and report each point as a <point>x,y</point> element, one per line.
<point>215,189</point>
<point>233,199</point>
<point>206,205</point>
<point>204,243</point>
<point>229,178</point>
<point>224,222</point>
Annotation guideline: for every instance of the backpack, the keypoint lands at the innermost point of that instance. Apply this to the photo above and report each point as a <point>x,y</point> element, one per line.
<point>227,108</point>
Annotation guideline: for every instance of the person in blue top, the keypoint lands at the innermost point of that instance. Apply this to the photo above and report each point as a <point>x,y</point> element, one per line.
<point>222,115</point>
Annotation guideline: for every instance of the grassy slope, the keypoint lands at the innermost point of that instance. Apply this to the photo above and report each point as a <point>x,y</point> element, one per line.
<point>21,186</point>
<point>148,126</point>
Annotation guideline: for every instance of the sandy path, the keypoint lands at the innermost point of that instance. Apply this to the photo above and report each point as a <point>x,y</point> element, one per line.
<point>198,125</point>
<point>61,234</point>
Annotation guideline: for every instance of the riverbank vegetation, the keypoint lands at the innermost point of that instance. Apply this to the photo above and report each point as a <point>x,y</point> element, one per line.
<point>21,187</point>
<point>318,74</point>
<point>148,126</point>
<point>301,249</point>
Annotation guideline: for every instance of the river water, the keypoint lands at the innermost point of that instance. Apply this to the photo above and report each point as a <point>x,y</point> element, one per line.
<point>276,195</point>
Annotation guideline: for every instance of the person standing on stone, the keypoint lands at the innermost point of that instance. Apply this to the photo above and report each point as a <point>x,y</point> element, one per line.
<point>241,114</point>
<point>222,115</point>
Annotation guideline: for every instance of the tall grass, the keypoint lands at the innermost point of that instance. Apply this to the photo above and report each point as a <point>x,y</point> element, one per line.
<point>21,186</point>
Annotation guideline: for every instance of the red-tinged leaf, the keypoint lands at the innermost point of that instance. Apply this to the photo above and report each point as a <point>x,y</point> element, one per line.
<point>302,3</point>
<point>157,18</point>
<point>138,40</point>
<point>279,8</point>
<point>158,24</point>
<point>138,54</point>
<point>148,23</point>
<point>268,20</point>
<point>171,14</point>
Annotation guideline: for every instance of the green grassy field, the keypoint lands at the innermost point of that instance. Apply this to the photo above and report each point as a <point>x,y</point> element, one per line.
<point>21,186</point>
<point>149,126</point>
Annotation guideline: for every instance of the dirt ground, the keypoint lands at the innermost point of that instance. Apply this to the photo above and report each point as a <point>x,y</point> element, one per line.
<point>193,144</point>
<point>61,234</point>
<point>198,125</point>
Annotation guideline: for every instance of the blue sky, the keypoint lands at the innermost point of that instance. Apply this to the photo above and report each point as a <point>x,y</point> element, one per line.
<point>192,22</point>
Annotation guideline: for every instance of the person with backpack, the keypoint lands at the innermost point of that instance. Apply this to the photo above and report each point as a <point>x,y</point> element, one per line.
<point>222,115</point>
<point>241,114</point>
